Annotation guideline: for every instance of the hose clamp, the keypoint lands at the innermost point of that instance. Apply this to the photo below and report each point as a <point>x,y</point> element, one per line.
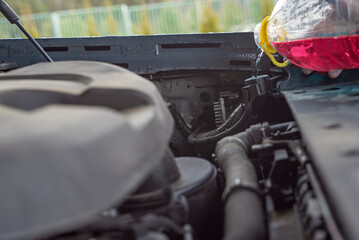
<point>233,139</point>
<point>241,185</point>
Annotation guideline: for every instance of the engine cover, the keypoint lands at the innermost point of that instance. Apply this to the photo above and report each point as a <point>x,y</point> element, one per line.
<point>76,138</point>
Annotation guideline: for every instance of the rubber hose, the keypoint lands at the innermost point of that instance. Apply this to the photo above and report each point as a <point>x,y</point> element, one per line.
<point>244,216</point>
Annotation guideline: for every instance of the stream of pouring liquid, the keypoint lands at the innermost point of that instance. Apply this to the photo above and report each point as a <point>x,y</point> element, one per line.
<point>256,63</point>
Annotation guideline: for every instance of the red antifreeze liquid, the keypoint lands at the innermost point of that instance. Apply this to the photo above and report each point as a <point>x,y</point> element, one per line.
<point>322,54</point>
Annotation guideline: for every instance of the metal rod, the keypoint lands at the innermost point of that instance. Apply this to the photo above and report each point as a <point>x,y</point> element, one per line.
<point>36,44</point>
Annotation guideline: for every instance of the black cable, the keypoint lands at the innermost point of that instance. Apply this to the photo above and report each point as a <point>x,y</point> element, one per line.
<point>234,117</point>
<point>239,116</point>
<point>181,123</point>
<point>282,126</point>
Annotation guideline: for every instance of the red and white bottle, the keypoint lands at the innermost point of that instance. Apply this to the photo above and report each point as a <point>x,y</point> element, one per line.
<point>321,35</point>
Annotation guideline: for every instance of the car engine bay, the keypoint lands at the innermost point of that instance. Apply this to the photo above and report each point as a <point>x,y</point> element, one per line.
<point>174,137</point>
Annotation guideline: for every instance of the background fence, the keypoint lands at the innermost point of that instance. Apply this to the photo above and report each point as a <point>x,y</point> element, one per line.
<point>157,18</point>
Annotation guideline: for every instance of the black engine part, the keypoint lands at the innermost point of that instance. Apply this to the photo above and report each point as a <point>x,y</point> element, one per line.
<point>197,183</point>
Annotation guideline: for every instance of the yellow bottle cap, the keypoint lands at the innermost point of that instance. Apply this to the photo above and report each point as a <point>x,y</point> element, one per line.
<point>266,46</point>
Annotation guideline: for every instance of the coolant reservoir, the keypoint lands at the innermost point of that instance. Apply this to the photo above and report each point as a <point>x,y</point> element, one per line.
<point>321,35</point>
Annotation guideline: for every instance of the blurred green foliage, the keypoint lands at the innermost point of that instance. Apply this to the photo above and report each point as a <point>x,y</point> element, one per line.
<point>57,5</point>
<point>266,8</point>
<point>144,25</point>
<point>209,19</point>
<point>187,16</point>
